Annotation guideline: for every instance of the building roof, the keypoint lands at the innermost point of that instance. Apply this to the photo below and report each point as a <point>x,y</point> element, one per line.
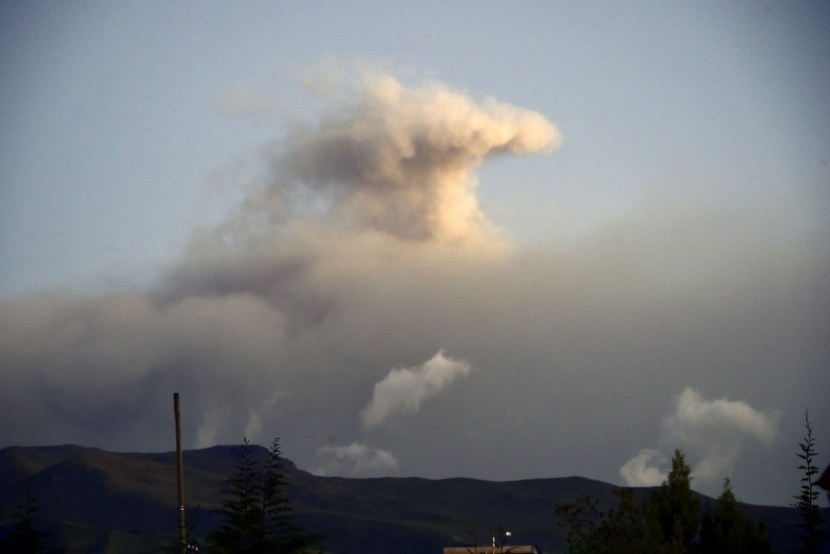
<point>518,549</point>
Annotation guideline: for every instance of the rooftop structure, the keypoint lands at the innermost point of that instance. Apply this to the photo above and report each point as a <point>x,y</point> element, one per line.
<point>522,549</point>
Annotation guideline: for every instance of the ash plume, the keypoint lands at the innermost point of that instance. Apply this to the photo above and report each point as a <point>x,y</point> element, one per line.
<point>356,459</point>
<point>401,160</point>
<point>363,243</point>
<point>385,176</point>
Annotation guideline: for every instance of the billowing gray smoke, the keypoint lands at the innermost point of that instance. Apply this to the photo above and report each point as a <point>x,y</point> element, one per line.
<point>386,165</point>
<point>385,177</point>
<point>400,160</point>
<point>363,250</point>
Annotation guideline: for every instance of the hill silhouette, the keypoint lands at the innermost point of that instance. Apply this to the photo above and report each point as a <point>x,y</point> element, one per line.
<point>101,502</point>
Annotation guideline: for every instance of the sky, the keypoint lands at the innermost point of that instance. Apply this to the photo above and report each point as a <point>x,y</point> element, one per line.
<point>481,239</point>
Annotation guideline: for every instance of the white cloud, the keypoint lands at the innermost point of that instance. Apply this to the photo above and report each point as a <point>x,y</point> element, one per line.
<point>696,421</point>
<point>355,459</point>
<point>647,469</point>
<point>404,389</point>
<point>710,432</point>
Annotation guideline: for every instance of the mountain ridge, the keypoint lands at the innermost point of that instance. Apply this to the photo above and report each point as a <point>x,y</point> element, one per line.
<point>101,502</point>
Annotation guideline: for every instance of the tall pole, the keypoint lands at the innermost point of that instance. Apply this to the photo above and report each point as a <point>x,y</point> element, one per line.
<point>180,470</point>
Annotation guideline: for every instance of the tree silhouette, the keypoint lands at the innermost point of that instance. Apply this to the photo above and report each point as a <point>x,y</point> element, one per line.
<point>729,531</point>
<point>811,534</point>
<point>583,521</point>
<point>256,512</point>
<point>625,529</point>
<point>675,507</point>
<point>667,522</point>
<point>629,528</point>
<point>24,536</point>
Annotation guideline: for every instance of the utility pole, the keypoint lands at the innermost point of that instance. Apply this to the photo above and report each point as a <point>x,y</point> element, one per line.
<point>180,470</point>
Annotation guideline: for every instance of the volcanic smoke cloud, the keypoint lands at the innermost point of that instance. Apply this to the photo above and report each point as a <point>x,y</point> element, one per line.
<point>383,182</point>
<point>362,247</point>
<point>711,434</point>
<point>400,160</point>
<point>355,459</point>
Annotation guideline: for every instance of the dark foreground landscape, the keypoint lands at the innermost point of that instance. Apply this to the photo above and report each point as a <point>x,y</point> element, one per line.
<point>95,501</point>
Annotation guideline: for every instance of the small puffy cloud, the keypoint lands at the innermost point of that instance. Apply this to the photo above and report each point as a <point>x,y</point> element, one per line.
<point>355,459</point>
<point>647,469</point>
<point>695,420</point>
<point>711,433</point>
<point>404,389</point>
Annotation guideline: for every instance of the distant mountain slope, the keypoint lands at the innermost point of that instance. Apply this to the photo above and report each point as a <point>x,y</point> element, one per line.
<point>126,502</point>
<point>16,462</point>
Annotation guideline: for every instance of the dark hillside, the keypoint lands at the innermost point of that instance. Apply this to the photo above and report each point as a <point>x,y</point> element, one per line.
<point>16,463</point>
<point>126,502</point>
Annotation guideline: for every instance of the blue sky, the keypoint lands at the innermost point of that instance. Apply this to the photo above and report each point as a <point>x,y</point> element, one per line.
<point>694,162</point>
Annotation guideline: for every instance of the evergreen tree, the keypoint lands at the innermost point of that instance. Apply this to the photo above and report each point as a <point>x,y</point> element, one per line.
<point>24,537</point>
<point>729,531</point>
<point>257,514</point>
<point>280,533</point>
<point>811,533</point>
<point>668,522</point>
<point>239,509</point>
<point>674,509</point>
